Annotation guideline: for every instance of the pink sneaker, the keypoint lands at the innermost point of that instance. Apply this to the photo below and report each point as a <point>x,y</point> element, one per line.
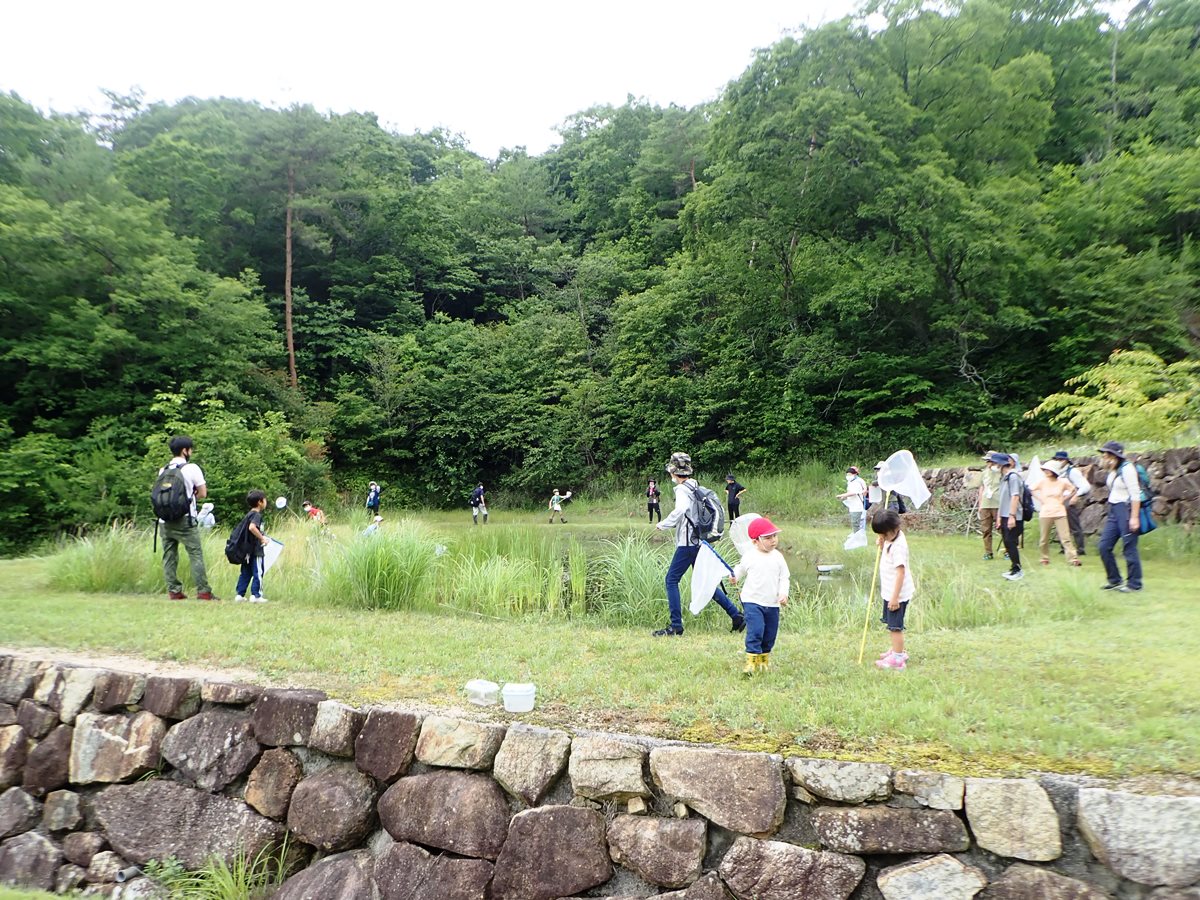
<point>897,661</point>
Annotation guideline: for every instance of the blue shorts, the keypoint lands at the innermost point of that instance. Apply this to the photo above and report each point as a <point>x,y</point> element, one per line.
<point>894,619</point>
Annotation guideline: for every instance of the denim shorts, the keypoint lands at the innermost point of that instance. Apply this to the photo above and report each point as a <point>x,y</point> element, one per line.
<point>894,619</point>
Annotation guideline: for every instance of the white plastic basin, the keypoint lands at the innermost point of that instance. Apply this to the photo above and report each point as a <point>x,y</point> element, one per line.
<point>483,693</point>
<point>518,697</point>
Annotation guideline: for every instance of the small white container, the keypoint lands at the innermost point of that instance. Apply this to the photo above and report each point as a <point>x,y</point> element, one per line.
<point>483,693</point>
<point>518,697</point>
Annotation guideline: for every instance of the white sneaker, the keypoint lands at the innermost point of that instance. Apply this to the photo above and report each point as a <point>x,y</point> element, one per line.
<point>258,599</point>
<point>239,599</point>
<point>1015,576</point>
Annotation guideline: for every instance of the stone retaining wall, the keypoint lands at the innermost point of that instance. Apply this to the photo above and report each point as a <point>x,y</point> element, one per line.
<point>1174,475</point>
<point>103,770</point>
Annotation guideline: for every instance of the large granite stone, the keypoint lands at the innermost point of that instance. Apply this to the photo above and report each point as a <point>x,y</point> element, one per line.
<point>552,851</point>
<point>70,689</point>
<point>158,819</point>
<point>115,748</point>
<point>14,747</point>
<point>881,829</point>
<point>69,878</point>
<point>666,852</point>
<point>384,748</point>
<point>458,743</point>
<point>739,791</point>
<point>710,887</point>
<point>171,698</point>
<point>845,782</point>
<point>63,811</point>
<point>604,768</point>
<point>115,691</point>
<point>1152,840</point>
<point>530,760</point>
<point>19,812</point>
<point>29,860</point>
<point>407,872</point>
<point>230,693</point>
<point>462,812</point>
<point>8,715</point>
<point>212,749</point>
<point>1025,882</point>
<point>17,678</point>
<point>1013,817</point>
<point>37,720</point>
<point>333,810</point>
<point>80,846</point>
<point>270,786</point>
<point>346,876</point>
<point>773,870</point>
<point>47,765</point>
<point>336,728</point>
<point>104,867</point>
<point>939,877</point>
<point>932,789</point>
<point>284,718</point>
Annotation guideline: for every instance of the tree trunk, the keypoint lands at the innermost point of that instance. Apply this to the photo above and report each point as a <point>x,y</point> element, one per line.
<point>287,282</point>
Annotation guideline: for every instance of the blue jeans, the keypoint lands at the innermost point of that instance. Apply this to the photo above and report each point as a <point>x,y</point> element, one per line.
<point>684,559</point>
<point>1116,527</point>
<point>762,625</point>
<point>251,577</point>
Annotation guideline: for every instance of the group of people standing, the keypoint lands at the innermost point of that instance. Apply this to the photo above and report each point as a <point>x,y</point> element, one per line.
<point>1002,508</point>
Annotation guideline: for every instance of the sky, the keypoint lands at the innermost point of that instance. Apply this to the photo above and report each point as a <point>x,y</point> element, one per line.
<point>503,74</point>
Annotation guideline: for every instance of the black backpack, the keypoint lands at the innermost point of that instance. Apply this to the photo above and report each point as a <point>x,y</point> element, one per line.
<point>706,515</point>
<point>1028,510</point>
<point>237,548</point>
<point>169,496</point>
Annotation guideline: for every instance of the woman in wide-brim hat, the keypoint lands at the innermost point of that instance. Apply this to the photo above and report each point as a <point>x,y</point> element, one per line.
<point>1123,521</point>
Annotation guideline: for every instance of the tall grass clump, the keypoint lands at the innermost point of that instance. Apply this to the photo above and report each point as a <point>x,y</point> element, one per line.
<point>241,878</point>
<point>629,580</point>
<point>392,569</point>
<point>115,560</point>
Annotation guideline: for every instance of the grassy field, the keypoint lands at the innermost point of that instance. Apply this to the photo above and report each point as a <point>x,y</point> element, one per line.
<point>1050,673</point>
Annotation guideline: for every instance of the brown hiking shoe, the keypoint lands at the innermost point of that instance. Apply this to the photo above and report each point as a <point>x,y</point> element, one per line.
<point>176,595</point>
<point>209,596</point>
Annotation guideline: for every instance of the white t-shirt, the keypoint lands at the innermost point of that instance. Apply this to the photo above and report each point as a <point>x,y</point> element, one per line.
<point>895,555</point>
<point>764,576</point>
<point>193,477</point>
<point>1081,484</point>
<point>857,488</point>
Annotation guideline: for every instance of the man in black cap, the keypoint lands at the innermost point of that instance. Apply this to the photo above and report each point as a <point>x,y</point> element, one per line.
<point>1074,506</point>
<point>1123,521</point>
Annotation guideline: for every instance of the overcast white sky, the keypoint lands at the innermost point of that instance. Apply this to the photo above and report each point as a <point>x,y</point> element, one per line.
<point>501,73</point>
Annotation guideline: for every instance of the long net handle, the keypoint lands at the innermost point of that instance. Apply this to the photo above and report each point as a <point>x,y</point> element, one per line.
<point>862,645</point>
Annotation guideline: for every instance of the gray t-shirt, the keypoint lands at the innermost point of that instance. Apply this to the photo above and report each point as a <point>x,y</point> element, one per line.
<point>1010,486</point>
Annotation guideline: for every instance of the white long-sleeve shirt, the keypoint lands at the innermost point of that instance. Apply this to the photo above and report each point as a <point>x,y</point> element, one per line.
<point>685,532</point>
<point>1123,484</point>
<point>766,577</point>
<point>1082,485</point>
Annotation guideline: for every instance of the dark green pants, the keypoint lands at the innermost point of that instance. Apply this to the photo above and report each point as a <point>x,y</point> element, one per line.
<point>188,534</point>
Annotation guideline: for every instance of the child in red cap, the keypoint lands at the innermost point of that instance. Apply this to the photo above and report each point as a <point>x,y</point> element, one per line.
<point>765,591</point>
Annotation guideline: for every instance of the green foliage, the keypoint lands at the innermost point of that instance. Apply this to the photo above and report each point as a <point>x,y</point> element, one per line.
<point>241,878</point>
<point>875,237</point>
<point>1134,394</point>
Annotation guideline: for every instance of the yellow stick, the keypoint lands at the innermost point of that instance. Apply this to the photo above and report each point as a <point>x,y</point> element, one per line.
<point>862,646</point>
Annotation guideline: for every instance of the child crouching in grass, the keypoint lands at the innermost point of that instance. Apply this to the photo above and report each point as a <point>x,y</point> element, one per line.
<point>765,591</point>
<point>895,585</point>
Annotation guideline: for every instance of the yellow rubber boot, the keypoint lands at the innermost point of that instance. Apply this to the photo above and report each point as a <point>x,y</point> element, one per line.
<point>751,664</point>
<point>764,662</point>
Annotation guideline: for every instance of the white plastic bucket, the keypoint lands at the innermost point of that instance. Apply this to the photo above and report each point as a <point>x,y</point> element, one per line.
<point>518,697</point>
<point>483,693</point>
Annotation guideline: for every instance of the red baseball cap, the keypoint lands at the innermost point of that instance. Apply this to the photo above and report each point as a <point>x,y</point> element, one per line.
<point>761,527</point>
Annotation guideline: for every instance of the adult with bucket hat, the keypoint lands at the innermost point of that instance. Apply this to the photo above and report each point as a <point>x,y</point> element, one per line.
<point>687,547</point>
<point>1010,516</point>
<point>1124,520</point>
<point>1082,488</point>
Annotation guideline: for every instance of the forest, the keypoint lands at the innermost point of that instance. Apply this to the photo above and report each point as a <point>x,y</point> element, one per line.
<point>876,236</point>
